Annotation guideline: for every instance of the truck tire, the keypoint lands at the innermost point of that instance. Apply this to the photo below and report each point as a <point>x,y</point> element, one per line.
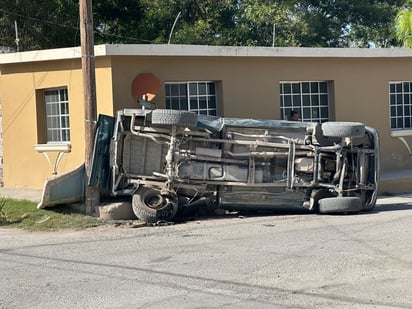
<point>340,205</point>
<point>343,129</point>
<point>150,206</point>
<point>174,117</point>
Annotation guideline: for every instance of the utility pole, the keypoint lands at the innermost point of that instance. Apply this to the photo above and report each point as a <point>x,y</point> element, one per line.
<point>92,194</point>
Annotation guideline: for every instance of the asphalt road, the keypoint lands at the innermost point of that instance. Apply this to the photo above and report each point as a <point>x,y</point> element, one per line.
<point>284,260</point>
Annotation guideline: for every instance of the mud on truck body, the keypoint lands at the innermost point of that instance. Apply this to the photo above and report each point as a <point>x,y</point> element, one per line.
<point>169,159</point>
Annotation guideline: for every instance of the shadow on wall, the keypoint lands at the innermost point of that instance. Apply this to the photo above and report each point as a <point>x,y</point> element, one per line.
<point>395,182</point>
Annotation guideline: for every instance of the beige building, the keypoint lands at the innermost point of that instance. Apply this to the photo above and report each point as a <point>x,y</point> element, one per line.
<point>43,114</point>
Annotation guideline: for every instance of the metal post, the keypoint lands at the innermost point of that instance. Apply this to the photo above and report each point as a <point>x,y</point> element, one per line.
<point>173,27</point>
<point>17,40</point>
<point>274,35</point>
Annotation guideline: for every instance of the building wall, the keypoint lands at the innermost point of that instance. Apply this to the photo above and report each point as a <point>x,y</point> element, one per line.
<point>23,165</point>
<point>250,88</point>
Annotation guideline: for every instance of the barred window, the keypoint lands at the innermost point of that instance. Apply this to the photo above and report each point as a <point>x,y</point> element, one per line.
<point>57,115</point>
<point>309,98</point>
<point>400,101</point>
<point>193,96</point>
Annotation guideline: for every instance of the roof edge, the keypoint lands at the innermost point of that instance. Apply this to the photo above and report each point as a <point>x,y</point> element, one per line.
<point>41,55</point>
<point>247,51</point>
<point>173,50</point>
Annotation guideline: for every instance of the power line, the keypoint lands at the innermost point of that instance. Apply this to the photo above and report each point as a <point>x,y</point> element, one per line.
<point>39,20</point>
<point>98,33</point>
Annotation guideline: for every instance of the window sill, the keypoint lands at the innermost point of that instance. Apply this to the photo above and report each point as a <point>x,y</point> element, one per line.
<point>64,147</point>
<point>401,133</point>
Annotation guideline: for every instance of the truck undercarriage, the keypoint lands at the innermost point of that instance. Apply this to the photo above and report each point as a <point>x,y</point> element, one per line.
<point>168,159</point>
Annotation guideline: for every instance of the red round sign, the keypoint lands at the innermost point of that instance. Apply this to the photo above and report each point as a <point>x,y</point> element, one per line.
<point>145,84</point>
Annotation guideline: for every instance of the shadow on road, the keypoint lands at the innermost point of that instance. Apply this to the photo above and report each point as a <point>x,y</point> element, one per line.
<point>395,206</point>
<point>242,215</point>
<point>384,204</point>
<point>392,207</point>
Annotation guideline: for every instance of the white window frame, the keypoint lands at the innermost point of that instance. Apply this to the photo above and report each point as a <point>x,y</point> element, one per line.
<point>193,96</point>
<point>56,103</point>
<point>400,108</point>
<point>309,103</point>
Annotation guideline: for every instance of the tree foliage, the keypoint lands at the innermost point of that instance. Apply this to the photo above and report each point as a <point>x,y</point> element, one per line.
<point>322,23</point>
<point>41,24</point>
<point>404,27</point>
<point>118,21</point>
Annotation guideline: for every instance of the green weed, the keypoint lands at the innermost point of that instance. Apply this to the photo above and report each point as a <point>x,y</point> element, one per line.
<point>24,215</point>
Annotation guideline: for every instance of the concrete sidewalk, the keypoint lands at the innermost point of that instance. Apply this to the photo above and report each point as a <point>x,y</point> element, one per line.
<point>110,211</point>
<point>123,210</point>
<point>33,195</point>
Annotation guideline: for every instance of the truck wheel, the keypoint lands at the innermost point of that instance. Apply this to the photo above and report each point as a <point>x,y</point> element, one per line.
<point>318,195</point>
<point>343,129</point>
<point>174,117</point>
<point>150,206</point>
<point>340,205</point>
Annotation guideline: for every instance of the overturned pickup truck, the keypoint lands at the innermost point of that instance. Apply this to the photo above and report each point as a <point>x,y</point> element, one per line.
<point>170,159</point>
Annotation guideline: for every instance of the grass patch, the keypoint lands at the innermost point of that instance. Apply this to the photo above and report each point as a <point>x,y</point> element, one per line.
<point>23,214</point>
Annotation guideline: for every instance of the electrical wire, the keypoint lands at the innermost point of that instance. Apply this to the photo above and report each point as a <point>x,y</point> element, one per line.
<point>102,35</point>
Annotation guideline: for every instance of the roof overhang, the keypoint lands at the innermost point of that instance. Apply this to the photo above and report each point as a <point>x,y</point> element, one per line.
<point>204,51</point>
